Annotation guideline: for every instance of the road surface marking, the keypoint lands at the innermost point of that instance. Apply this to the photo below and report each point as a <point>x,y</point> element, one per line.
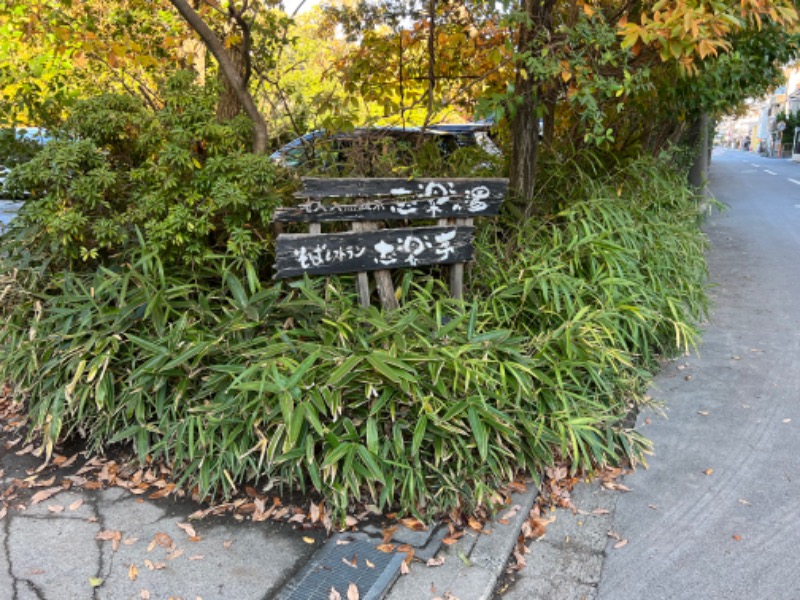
<point>770,172</point>
<point>754,164</point>
<point>795,181</point>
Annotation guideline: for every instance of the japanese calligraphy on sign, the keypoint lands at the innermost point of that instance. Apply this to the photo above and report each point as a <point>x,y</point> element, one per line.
<point>373,250</point>
<point>398,199</point>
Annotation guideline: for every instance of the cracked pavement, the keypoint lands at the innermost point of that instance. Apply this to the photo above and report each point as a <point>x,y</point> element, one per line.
<point>51,550</point>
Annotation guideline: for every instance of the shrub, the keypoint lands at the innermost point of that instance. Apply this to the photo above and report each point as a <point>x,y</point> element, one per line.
<point>167,340</point>
<point>186,181</point>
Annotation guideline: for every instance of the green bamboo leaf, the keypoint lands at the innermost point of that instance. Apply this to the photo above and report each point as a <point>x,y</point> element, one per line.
<point>181,360</point>
<point>337,454</point>
<point>300,371</point>
<point>369,461</point>
<point>378,363</point>
<point>151,347</point>
<point>296,423</point>
<point>372,435</point>
<point>346,368</point>
<point>419,434</point>
<point>478,432</point>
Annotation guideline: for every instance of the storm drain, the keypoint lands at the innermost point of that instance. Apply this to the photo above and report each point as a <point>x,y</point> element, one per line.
<point>338,565</point>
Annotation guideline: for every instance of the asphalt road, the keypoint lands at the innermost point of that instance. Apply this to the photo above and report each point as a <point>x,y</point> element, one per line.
<point>717,513</point>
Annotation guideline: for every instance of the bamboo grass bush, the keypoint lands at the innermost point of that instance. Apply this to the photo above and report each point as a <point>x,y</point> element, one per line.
<point>234,380</point>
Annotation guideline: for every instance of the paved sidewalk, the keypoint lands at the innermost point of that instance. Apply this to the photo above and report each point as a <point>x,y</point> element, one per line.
<point>61,539</point>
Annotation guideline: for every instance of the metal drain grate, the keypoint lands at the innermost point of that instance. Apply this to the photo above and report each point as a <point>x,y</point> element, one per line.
<point>327,569</point>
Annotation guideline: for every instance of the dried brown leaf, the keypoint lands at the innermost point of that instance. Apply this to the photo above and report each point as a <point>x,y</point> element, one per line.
<point>511,513</point>
<point>112,536</point>
<point>350,521</point>
<point>518,487</point>
<point>177,552</point>
<point>352,592</point>
<point>133,572</point>
<point>620,544</point>
<point>26,450</point>
<point>76,505</point>
<point>388,534</point>
<point>188,529</point>
<point>449,541</point>
<point>163,492</point>
<point>164,540</point>
<point>386,548</point>
<point>334,595</point>
<point>144,595</point>
<point>353,562</point>
<point>314,513</point>
<point>413,524</point>
<point>43,495</point>
<point>437,561</point>
<point>404,569</point>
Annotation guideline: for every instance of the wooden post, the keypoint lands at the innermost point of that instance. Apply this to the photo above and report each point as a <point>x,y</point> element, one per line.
<point>456,279</point>
<point>383,278</point>
<point>456,270</point>
<point>362,278</point>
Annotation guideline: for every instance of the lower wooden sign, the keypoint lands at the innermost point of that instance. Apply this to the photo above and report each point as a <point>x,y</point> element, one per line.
<point>355,251</point>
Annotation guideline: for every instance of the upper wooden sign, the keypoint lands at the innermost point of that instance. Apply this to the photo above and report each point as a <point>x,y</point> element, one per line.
<point>389,199</point>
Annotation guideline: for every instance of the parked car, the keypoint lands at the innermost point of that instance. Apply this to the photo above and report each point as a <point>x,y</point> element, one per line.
<point>372,151</point>
<point>16,146</point>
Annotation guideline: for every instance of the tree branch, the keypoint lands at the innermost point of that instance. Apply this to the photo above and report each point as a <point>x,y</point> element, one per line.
<point>229,70</point>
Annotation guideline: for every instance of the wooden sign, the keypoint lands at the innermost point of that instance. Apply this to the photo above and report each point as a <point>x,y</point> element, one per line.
<point>359,251</point>
<point>444,207</point>
<point>393,199</point>
<point>393,187</point>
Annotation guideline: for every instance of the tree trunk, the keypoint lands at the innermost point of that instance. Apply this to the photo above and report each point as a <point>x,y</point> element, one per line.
<point>229,104</point>
<point>698,138</point>
<point>524,147</point>
<point>230,71</point>
<point>537,15</point>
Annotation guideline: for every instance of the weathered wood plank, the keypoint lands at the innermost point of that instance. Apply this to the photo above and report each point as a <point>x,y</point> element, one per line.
<point>393,187</point>
<point>351,187</point>
<point>351,252</point>
<point>392,210</point>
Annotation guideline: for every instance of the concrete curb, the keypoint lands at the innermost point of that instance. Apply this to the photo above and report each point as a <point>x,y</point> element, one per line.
<point>473,565</point>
